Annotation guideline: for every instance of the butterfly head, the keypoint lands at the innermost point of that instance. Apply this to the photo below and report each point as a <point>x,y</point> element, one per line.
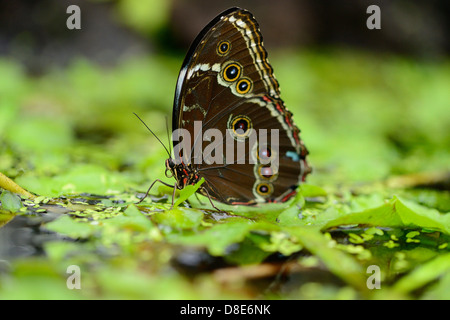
<point>183,174</point>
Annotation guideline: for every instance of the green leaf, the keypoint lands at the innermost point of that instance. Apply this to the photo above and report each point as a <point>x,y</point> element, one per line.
<point>10,201</point>
<point>220,236</point>
<point>290,217</point>
<point>5,218</point>
<point>396,213</point>
<point>281,242</point>
<point>187,191</point>
<point>309,190</point>
<point>424,274</point>
<point>71,227</point>
<point>415,215</point>
<point>179,218</point>
<point>247,253</point>
<point>79,178</point>
<point>132,219</point>
<point>384,216</point>
<point>338,262</point>
<point>58,250</point>
<point>30,276</point>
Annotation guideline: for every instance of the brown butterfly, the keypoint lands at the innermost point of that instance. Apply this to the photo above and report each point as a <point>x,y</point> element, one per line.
<point>227,84</point>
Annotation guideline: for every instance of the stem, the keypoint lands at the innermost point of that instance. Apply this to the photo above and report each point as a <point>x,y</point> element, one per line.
<point>7,184</point>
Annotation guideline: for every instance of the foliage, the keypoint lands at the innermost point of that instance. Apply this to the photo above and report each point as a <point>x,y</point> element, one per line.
<point>377,131</point>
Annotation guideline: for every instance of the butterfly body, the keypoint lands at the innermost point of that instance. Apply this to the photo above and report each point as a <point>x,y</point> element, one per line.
<point>184,174</point>
<point>227,84</point>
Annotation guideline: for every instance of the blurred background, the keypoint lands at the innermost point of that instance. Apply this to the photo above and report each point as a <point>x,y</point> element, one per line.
<point>370,103</point>
<point>35,33</point>
<point>373,107</point>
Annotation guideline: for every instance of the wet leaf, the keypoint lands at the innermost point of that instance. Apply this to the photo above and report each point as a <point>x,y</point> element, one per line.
<point>179,218</point>
<point>424,274</point>
<point>10,201</point>
<point>188,191</point>
<point>396,213</point>
<point>70,227</point>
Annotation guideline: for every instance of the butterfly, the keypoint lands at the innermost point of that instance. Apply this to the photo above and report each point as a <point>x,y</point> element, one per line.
<point>226,86</point>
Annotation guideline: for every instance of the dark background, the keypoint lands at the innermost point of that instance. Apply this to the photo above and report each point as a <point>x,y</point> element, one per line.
<point>35,33</point>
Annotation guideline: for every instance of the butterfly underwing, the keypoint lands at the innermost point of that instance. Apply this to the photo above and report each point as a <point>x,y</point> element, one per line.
<point>227,96</point>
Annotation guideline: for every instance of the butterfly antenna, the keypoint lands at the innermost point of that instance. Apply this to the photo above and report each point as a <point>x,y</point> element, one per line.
<point>168,135</point>
<point>153,134</point>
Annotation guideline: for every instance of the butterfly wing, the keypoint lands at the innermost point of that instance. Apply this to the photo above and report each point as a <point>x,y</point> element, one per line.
<point>227,83</point>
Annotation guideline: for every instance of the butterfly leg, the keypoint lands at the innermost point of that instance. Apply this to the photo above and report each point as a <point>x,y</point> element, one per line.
<point>198,199</point>
<point>210,200</point>
<point>173,197</point>
<point>151,186</point>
